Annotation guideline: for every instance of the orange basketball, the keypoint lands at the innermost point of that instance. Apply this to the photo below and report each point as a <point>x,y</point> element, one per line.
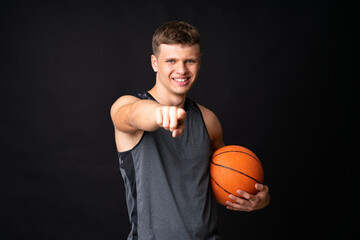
<point>234,167</point>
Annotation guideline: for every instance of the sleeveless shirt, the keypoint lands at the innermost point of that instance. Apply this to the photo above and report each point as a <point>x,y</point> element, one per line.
<point>168,192</point>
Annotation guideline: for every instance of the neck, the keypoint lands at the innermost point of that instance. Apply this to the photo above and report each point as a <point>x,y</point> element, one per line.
<point>166,98</point>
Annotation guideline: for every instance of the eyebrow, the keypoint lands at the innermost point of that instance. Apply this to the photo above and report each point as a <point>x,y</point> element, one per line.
<point>186,59</point>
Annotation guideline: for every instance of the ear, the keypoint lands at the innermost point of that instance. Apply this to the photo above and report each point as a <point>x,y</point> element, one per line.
<point>154,63</point>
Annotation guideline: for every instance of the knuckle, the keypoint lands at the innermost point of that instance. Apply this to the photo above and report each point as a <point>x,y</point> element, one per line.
<point>240,200</point>
<point>233,204</point>
<point>165,110</point>
<point>173,123</point>
<point>246,195</point>
<point>230,203</point>
<point>172,110</point>
<point>165,124</point>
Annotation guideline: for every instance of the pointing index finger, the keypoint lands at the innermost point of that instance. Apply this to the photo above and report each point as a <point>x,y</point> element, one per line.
<point>181,114</point>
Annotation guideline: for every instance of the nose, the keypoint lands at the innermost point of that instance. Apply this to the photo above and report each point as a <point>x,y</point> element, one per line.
<point>181,68</point>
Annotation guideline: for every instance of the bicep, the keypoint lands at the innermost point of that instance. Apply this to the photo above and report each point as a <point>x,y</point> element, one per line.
<point>120,111</point>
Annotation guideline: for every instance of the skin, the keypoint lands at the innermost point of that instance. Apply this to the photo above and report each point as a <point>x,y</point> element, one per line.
<point>176,67</point>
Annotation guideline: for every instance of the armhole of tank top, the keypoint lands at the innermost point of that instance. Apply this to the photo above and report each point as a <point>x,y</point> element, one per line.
<point>142,97</point>
<point>137,144</point>
<point>202,118</point>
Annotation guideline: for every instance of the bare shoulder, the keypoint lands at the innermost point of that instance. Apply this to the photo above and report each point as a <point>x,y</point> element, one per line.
<point>120,102</point>
<point>208,115</point>
<point>213,127</point>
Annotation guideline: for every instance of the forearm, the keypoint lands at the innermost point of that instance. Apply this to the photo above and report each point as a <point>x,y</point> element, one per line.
<point>142,115</point>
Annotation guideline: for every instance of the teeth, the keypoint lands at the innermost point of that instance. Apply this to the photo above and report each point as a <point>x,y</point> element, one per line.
<point>180,79</point>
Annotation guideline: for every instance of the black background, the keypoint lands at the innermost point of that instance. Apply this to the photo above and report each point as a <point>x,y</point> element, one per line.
<point>276,73</point>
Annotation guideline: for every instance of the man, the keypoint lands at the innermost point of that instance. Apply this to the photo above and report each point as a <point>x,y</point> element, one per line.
<point>164,142</point>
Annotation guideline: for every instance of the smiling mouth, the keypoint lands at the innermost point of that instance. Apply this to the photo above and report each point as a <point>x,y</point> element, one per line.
<point>181,80</point>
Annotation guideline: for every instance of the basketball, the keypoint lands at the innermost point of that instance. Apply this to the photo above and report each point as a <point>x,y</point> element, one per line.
<point>232,168</point>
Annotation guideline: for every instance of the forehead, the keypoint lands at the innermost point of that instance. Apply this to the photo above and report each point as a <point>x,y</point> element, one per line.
<point>179,50</point>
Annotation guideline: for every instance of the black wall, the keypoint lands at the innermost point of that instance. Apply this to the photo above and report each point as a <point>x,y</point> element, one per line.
<point>276,73</point>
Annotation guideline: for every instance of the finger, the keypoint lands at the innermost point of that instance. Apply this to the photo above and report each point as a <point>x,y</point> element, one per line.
<point>261,187</point>
<point>179,131</point>
<point>241,204</point>
<point>231,207</point>
<point>181,114</point>
<point>173,118</point>
<point>159,118</point>
<point>165,116</point>
<point>246,195</point>
<point>237,207</point>
<point>238,200</point>
<point>176,133</point>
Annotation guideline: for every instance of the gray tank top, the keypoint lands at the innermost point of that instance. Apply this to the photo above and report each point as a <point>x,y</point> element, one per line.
<point>167,182</point>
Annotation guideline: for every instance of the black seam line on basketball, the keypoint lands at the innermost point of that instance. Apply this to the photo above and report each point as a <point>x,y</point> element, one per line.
<point>240,152</point>
<point>224,188</point>
<point>236,171</point>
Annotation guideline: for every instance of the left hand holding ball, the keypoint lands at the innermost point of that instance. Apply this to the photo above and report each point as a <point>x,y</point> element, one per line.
<point>250,202</point>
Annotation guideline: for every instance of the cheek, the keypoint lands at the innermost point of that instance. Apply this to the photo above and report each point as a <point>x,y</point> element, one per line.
<point>167,70</point>
<point>194,70</point>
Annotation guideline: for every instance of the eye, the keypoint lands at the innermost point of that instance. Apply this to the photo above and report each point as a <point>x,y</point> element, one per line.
<point>170,61</point>
<point>190,61</point>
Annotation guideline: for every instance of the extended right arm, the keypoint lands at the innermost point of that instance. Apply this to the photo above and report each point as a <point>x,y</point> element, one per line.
<point>130,115</point>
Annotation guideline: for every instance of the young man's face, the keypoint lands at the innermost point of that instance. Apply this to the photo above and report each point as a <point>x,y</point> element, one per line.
<point>177,67</point>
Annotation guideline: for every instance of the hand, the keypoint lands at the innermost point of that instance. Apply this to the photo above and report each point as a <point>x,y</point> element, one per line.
<point>172,119</point>
<point>250,202</point>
